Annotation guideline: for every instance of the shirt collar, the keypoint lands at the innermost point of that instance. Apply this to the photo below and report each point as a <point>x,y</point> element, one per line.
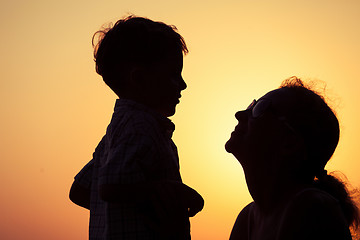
<point>167,125</point>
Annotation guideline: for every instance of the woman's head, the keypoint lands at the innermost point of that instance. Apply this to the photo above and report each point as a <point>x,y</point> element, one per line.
<point>290,134</point>
<point>293,111</point>
<point>315,122</point>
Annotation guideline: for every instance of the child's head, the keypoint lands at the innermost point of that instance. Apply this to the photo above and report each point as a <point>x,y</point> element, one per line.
<point>132,45</point>
<point>142,60</point>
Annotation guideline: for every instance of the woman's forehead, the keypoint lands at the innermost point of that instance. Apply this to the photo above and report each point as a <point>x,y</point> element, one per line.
<point>281,97</point>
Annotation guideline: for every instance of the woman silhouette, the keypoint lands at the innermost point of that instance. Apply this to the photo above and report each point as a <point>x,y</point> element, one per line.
<point>283,142</point>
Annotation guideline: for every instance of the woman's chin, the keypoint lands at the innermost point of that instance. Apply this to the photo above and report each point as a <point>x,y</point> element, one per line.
<point>229,146</point>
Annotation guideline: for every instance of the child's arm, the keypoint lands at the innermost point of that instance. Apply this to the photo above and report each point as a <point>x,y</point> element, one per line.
<point>81,188</point>
<point>168,193</point>
<point>192,200</point>
<point>80,195</point>
<point>125,193</point>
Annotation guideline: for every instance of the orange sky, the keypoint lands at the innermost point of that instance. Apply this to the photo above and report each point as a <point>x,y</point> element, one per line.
<point>55,109</point>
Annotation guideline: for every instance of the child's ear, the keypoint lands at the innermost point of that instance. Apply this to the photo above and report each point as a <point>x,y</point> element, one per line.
<point>137,76</point>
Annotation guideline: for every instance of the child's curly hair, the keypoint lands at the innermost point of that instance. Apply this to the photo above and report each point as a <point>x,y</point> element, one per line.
<point>133,41</point>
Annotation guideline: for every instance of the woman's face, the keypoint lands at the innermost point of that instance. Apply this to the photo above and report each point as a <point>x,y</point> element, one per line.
<point>261,130</point>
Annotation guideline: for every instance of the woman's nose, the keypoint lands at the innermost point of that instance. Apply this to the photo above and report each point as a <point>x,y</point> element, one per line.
<point>182,84</point>
<point>179,83</point>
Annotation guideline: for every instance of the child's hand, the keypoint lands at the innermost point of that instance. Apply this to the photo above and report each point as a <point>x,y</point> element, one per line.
<point>172,203</point>
<point>192,200</point>
<point>172,197</point>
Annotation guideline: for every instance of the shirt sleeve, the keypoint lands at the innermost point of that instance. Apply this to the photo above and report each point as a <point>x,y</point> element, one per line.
<point>129,159</point>
<point>83,178</point>
<point>86,174</point>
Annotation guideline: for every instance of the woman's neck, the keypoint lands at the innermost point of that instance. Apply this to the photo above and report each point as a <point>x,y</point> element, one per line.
<point>269,189</point>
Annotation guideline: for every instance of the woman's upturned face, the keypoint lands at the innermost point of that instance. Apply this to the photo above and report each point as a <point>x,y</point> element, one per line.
<point>260,132</point>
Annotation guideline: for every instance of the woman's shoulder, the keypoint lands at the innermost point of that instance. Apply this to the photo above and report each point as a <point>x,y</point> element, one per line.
<point>246,213</point>
<point>314,196</point>
<point>242,225</point>
<point>240,229</point>
<point>312,202</point>
<point>313,214</point>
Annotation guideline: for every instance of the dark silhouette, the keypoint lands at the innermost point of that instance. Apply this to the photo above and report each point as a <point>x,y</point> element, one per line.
<point>133,186</point>
<point>283,142</point>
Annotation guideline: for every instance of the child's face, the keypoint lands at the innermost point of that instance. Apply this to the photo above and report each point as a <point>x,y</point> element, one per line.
<point>164,84</point>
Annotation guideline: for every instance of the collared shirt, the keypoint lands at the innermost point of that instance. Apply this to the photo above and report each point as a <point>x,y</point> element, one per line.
<point>136,148</point>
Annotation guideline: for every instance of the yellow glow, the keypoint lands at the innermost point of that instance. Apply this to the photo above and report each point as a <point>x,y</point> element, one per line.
<point>55,109</point>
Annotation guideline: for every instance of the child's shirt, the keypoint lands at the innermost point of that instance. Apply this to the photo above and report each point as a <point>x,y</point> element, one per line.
<point>136,148</point>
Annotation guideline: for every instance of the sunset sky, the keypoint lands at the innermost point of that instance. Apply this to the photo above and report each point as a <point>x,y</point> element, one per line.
<point>55,108</point>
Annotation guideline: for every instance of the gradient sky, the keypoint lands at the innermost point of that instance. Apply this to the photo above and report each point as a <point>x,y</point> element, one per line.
<point>55,108</point>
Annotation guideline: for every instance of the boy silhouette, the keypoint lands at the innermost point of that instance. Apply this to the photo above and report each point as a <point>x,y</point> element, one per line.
<point>132,186</point>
